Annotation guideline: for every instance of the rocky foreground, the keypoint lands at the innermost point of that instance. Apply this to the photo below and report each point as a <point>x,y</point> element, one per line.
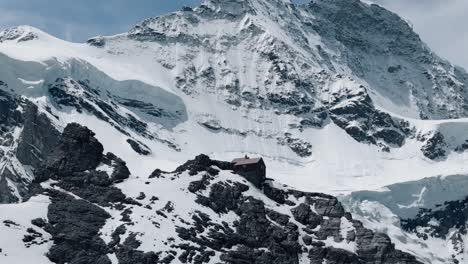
<point>200,213</point>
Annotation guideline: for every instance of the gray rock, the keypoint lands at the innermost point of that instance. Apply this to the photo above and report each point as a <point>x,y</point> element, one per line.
<point>38,137</point>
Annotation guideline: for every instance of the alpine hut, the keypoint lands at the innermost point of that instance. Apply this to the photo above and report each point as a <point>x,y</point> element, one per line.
<point>253,169</point>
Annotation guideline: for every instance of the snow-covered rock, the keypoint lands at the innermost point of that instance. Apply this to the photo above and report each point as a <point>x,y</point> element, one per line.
<point>336,95</point>
<point>202,212</point>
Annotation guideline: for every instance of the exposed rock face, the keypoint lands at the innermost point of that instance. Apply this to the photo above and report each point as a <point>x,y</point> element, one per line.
<point>259,227</point>
<point>26,136</point>
<point>97,42</point>
<point>440,221</point>
<point>138,147</point>
<point>84,97</point>
<point>318,69</point>
<point>203,163</point>
<point>75,214</point>
<point>6,192</point>
<point>387,36</point>
<point>359,118</point>
<point>447,221</point>
<point>232,221</point>
<point>77,151</point>
<point>9,119</point>
<point>318,85</point>
<point>300,147</point>
<point>18,34</point>
<point>435,147</point>
<point>38,138</point>
<point>8,114</point>
<point>74,225</point>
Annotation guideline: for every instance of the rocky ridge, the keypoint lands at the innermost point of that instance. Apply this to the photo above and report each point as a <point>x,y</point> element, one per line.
<point>26,136</point>
<point>231,221</point>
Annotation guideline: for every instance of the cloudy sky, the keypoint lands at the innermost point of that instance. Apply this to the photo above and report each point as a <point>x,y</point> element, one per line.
<point>441,23</point>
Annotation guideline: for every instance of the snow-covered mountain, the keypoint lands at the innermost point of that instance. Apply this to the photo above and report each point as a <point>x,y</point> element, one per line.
<point>338,96</point>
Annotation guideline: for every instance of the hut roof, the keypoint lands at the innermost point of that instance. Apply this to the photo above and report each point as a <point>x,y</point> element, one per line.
<point>244,161</point>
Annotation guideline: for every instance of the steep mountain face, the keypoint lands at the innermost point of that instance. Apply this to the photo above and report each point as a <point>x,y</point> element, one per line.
<point>26,136</point>
<point>337,96</point>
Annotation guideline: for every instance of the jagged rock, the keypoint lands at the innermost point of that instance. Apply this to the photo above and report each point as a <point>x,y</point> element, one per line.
<point>329,207</point>
<point>332,255</point>
<point>359,118</point>
<point>452,215</point>
<point>127,253</point>
<point>138,147</point>
<point>374,247</point>
<point>39,222</point>
<point>435,147</point>
<point>257,232</point>
<point>38,137</point>
<point>77,151</point>
<point>121,171</point>
<point>202,163</point>
<point>6,193</point>
<point>73,164</point>
<point>97,41</point>
<point>74,225</point>
<point>300,147</point>
<point>223,197</point>
<point>304,215</point>
<point>276,195</point>
<point>20,34</point>
<point>202,184</point>
<point>8,114</point>
<point>279,218</point>
<point>261,234</point>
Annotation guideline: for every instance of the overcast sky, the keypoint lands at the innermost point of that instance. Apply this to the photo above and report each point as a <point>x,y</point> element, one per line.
<point>441,23</point>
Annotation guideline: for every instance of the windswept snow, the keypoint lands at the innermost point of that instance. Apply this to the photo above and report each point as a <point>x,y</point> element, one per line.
<point>15,219</point>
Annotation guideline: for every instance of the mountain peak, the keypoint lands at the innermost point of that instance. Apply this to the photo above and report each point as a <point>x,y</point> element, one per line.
<point>24,33</point>
<point>228,7</point>
<point>239,7</point>
<point>20,34</point>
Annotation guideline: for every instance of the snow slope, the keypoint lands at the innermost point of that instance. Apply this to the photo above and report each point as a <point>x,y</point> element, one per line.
<point>15,219</point>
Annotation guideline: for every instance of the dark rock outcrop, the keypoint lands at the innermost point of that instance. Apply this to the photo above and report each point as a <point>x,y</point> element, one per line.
<point>435,147</point>
<point>75,214</point>
<point>74,225</point>
<point>138,147</point>
<point>203,163</point>
<point>261,233</point>
<point>39,136</point>
<point>439,222</point>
